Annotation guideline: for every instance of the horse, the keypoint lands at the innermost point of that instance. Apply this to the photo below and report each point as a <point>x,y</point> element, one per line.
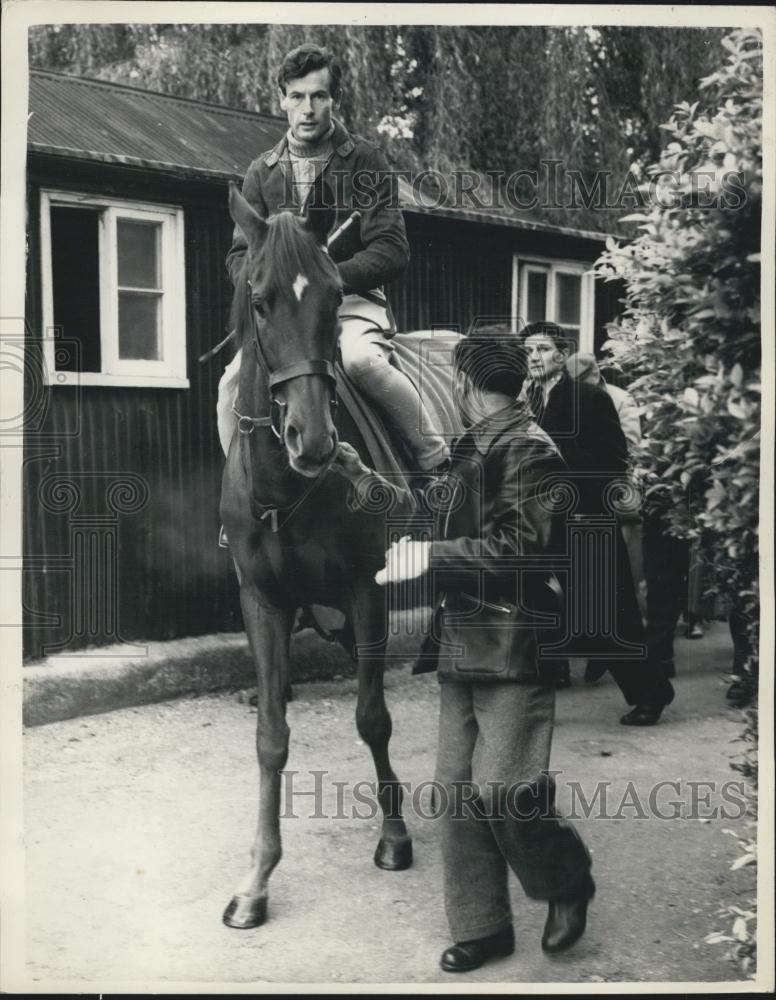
<point>293,538</point>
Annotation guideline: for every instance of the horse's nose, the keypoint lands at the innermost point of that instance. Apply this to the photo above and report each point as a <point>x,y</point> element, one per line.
<point>294,440</point>
<point>309,446</point>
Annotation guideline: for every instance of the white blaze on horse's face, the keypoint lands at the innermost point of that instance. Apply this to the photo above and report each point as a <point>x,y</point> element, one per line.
<point>299,286</point>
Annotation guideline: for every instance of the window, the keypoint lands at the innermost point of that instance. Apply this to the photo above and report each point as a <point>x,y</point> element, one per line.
<point>557,291</point>
<point>113,283</point>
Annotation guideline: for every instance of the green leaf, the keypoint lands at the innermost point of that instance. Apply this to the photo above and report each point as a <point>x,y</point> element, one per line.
<point>736,410</point>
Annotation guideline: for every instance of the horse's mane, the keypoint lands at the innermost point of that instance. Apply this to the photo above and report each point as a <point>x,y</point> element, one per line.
<point>288,250</point>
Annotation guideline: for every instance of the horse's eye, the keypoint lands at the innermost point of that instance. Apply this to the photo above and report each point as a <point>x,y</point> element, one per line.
<point>261,309</point>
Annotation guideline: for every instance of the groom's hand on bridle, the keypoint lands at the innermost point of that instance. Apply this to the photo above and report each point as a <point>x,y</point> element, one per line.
<point>348,462</point>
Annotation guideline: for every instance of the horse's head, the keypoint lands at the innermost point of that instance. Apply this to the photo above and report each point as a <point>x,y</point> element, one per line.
<point>295,291</point>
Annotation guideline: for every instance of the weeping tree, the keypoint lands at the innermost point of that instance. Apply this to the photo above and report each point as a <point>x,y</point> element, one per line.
<point>640,74</point>
<point>484,97</point>
<point>690,339</point>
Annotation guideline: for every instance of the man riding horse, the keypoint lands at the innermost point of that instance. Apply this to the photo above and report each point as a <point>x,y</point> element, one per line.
<point>298,540</point>
<point>371,251</point>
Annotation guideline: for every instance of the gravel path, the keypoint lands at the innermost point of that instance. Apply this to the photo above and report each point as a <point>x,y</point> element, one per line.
<point>139,822</point>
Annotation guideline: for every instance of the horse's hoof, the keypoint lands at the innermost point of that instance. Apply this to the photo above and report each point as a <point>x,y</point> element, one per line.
<point>394,855</point>
<point>245,912</point>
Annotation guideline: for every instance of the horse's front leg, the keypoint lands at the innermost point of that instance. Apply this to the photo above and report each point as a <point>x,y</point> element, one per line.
<point>369,616</point>
<point>269,631</point>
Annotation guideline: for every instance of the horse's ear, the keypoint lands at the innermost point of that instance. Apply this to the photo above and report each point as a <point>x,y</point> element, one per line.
<point>321,212</point>
<point>246,217</point>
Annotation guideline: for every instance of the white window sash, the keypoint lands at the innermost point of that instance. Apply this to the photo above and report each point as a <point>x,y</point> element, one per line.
<point>523,265</point>
<point>135,366</point>
<point>47,291</point>
<point>527,271</point>
<point>170,370</point>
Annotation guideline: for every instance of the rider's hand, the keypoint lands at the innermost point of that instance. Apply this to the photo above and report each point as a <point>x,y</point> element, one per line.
<point>405,560</point>
<point>348,462</point>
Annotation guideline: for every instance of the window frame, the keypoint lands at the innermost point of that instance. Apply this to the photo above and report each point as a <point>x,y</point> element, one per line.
<point>524,264</point>
<point>169,372</point>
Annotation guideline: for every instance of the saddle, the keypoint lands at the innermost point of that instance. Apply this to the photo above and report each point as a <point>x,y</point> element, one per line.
<point>425,357</point>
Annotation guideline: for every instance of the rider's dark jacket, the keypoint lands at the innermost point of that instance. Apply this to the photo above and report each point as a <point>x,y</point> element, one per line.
<point>490,562</point>
<point>371,252</point>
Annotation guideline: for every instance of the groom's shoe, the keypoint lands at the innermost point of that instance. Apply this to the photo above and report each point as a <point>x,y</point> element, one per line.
<point>567,919</point>
<point>468,955</point>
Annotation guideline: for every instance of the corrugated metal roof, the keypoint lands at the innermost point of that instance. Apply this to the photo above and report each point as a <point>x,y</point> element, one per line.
<point>73,115</point>
<point>112,123</point>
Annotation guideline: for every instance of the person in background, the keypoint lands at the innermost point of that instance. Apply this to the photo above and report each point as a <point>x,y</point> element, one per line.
<point>698,608</point>
<point>584,368</point>
<point>582,421</point>
<point>741,692</point>
<point>674,579</point>
<point>669,566</point>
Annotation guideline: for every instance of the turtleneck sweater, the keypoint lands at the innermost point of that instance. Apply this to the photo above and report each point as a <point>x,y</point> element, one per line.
<point>308,160</point>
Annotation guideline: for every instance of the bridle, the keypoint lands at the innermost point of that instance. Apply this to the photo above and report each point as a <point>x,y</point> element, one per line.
<point>275,419</point>
<point>307,366</point>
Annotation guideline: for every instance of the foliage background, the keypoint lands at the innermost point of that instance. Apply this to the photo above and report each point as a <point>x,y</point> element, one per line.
<point>487,98</point>
<point>690,338</point>
<point>505,98</point>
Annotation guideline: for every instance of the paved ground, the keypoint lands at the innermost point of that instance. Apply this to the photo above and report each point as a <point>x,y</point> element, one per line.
<point>139,824</point>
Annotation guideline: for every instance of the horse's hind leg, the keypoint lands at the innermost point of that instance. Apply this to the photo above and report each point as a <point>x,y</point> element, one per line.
<point>269,631</point>
<point>394,851</point>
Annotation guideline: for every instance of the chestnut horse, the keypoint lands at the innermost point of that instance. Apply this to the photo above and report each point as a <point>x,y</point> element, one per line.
<point>294,539</point>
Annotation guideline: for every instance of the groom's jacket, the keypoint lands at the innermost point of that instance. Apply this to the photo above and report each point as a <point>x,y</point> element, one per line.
<point>491,560</point>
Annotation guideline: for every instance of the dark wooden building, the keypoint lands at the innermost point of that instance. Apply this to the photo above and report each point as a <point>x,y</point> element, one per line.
<point>127,233</point>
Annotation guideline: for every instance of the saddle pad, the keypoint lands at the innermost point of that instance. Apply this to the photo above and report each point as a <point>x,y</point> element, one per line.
<point>426,357</point>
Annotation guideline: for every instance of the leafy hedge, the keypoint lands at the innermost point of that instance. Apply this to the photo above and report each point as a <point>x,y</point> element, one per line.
<point>689,338</point>
<point>690,332</point>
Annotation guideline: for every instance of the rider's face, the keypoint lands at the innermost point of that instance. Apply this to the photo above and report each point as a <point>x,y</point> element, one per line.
<point>309,104</point>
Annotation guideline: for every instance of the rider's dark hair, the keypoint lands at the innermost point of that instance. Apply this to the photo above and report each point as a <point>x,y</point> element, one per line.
<point>494,362</point>
<point>306,59</point>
